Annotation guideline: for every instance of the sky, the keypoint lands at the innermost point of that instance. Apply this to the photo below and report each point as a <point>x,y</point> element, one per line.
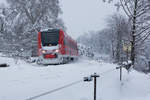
<point>2,1</point>
<point>81,16</point>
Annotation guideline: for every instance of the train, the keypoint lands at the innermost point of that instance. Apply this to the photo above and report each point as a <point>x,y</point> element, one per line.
<point>56,47</point>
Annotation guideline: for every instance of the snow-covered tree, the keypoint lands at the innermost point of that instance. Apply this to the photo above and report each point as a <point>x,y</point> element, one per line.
<point>109,41</point>
<point>23,20</point>
<point>83,50</point>
<point>96,40</point>
<point>118,28</point>
<point>138,12</point>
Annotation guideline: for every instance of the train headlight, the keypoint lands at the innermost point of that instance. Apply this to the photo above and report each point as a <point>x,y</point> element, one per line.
<point>57,51</point>
<point>44,51</point>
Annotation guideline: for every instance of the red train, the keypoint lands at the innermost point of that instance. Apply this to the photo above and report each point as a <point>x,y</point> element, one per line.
<point>55,47</point>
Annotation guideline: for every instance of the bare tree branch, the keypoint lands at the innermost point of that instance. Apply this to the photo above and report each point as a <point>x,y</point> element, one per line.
<point>124,9</point>
<point>144,37</point>
<point>148,27</point>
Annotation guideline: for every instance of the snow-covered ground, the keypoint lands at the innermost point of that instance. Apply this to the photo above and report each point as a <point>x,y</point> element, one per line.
<point>22,80</point>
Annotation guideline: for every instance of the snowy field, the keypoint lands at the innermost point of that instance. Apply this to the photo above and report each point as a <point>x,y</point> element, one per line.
<point>22,80</point>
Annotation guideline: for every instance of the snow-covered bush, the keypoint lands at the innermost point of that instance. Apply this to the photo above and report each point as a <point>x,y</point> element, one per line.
<point>142,64</point>
<point>85,51</point>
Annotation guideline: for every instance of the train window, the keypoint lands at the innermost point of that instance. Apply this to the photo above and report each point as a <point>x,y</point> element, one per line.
<point>50,38</point>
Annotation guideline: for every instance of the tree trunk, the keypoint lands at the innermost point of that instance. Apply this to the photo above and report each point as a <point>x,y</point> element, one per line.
<point>133,34</point>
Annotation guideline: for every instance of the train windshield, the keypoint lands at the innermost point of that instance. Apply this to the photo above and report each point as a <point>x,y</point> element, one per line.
<point>50,38</point>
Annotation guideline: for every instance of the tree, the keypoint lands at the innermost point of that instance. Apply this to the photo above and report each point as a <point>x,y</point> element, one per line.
<point>137,11</point>
<point>119,34</point>
<point>110,40</point>
<point>24,18</point>
<point>138,14</point>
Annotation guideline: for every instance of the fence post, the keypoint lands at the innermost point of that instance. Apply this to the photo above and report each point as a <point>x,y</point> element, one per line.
<point>120,73</point>
<point>95,76</point>
<point>148,65</point>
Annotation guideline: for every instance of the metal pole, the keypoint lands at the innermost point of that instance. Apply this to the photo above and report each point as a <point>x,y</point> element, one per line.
<point>95,76</point>
<point>94,88</point>
<point>149,65</point>
<point>120,73</point>
<point>127,54</point>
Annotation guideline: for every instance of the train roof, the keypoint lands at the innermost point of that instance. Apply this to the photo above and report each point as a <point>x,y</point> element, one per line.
<point>53,29</point>
<point>49,30</point>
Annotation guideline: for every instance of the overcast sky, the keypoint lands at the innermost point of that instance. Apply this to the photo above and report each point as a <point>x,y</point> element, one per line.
<point>81,16</point>
<point>2,1</point>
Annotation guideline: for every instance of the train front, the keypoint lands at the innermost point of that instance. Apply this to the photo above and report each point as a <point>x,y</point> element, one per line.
<point>49,47</point>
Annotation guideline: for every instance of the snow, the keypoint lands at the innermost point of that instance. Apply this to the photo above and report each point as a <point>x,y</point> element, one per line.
<point>46,29</point>
<point>22,80</point>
